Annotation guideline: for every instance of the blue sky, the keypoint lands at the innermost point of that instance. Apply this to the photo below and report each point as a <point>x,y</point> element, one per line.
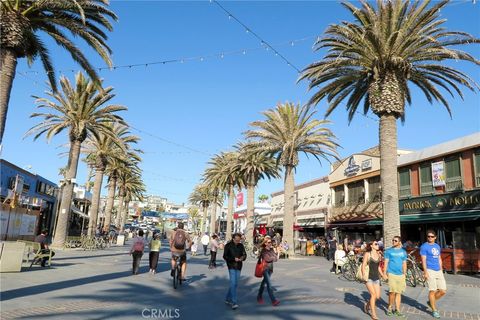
<point>202,107</point>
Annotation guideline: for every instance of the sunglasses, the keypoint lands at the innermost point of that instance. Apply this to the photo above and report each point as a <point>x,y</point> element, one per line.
<point>430,236</point>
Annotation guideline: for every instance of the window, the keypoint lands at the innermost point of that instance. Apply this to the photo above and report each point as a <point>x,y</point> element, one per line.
<point>426,185</point>
<point>477,168</point>
<point>374,189</point>
<point>453,174</point>
<point>404,183</point>
<point>356,193</point>
<point>339,196</point>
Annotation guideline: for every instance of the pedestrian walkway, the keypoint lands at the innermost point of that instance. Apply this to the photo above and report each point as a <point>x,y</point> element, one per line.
<point>99,285</point>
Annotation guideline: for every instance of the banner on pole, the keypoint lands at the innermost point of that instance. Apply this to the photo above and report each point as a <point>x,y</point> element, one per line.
<point>438,174</point>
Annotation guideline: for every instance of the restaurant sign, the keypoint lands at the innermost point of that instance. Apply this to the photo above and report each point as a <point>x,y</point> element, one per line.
<point>458,201</point>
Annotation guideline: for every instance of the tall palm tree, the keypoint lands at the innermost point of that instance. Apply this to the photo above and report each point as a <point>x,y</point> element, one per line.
<point>201,197</point>
<point>287,131</point>
<point>253,165</point>
<point>194,214</point>
<point>132,188</point>
<point>81,111</point>
<point>372,61</point>
<point>102,150</point>
<point>24,21</point>
<point>225,175</point>
<point>114,167</point>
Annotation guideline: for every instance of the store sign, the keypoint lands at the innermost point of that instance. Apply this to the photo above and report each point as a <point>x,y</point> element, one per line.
<point>459,201</point>
<point>352,168</point>
<point>438,174</point>
<point>367,164</point>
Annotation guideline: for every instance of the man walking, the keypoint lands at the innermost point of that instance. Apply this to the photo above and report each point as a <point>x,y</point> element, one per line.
<point>234,253</point>
<point>205,240</point>
<point>433,271</point>
<point>396,266</point>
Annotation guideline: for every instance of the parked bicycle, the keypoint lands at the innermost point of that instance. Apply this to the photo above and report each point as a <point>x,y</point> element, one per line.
<point>251,249</point>
<point>414,274</point>
<point>350,267</point>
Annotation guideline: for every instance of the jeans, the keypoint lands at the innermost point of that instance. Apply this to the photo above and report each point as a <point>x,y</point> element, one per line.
<point>266,281</point>
<point>153,259</point>
<point>205,249</point>
<point>232,291</point>
<point>137,255</point>
<point>213,259</point>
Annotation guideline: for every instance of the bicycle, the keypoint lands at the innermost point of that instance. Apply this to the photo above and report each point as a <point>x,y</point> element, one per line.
<point>177,272</point>
<point>349,268</point>
<point>252,250</point>
<point>414,274</point>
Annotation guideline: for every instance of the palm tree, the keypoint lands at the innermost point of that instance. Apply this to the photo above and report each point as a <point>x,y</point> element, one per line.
<point>373,60</point>
<point>287,131</point>
<point>253,165</point>
<point>224,174</point>
<point>201,197</point>
<point>82,112</point>
<point>22,23</point>
<point>102,150</point>
<point>114,167</point>
<point>131,187</point>
<point>194,214</point>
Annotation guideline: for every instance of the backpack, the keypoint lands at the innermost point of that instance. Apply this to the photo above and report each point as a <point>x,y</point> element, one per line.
<point>138,246</point>
<point>179,240</point>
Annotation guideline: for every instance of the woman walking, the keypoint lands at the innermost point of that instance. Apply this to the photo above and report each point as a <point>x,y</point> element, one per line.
<point>372,258</point>
<point>268,255</point>
<point>213,252</point>
<point>138,246</point>
<point>194,248</point>
<point>155,244</point>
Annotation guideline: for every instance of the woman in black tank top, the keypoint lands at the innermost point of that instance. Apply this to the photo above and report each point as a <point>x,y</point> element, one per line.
<point>372,258</point>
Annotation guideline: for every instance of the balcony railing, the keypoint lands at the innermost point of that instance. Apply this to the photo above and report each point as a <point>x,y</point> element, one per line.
<point>426,188</point>
<point>454,184</point>
<point>405,191</point>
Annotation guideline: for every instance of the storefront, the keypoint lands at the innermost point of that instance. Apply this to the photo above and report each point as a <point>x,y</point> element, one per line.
<point>261,215</point>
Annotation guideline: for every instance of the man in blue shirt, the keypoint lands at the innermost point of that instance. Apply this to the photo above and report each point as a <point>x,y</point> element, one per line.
<point>433,271</point>
<point>396,266</point>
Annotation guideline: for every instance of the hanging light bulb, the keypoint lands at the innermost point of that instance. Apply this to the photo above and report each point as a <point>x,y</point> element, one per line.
<point>201,58</point>
<point>244,52</point>
<point>221,56</point>
<point>247,31</point>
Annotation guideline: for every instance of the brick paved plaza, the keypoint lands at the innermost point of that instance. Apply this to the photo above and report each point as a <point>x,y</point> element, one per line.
<point>99,285</point>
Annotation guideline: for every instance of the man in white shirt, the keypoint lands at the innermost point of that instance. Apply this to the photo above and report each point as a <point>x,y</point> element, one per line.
<point>205,241</point>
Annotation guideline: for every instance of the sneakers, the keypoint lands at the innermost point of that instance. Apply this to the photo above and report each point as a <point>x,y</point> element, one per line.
<point>398,314</point>
<point>275,303</point>
<point>234,307</point>
<point>436,314</point>
<point>260,300</point>
<point>389,312</point>
<point>228,303</point>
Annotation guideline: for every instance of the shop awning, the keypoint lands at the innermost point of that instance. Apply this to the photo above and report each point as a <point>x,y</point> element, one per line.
<point>434,217</point>
<point>80,213</point>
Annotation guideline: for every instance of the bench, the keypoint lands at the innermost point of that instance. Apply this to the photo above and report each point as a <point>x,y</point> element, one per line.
<point>35,249</point>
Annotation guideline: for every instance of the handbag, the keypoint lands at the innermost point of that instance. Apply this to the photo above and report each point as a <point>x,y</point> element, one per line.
<point>260,268</point>
<point>360,275</point>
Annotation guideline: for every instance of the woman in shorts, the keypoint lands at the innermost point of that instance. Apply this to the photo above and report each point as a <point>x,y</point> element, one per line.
<point>372,258</point>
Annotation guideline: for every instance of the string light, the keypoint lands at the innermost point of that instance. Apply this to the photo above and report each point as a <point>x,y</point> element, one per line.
<point>249,30</point>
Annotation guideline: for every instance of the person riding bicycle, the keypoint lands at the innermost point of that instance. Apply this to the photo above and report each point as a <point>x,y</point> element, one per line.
<point>179,241</point>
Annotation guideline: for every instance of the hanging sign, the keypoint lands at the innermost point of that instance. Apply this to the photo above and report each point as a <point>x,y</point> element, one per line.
<point>438,174</point>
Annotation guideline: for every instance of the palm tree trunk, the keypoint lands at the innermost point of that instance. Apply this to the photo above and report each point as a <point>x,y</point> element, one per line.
<point>97,187</point>
<point>288,212</point>
<point>389,177</point>
<point>124,215</point>
<point>204,218</point>
<point>213,218</point>
<point>66,204</point>
<point>8,65</point>
<point>109,204</point>
<point>231,196</point>
<point>121,201</point>
<point>250,212</point>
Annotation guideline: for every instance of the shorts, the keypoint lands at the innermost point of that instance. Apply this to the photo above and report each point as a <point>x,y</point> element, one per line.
<point>376,282</point>
<point>181,255</point>
<point>436,280</point>
<point>396,283</point>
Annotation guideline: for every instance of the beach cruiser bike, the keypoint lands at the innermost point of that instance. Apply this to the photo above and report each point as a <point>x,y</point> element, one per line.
<point>177,271</point>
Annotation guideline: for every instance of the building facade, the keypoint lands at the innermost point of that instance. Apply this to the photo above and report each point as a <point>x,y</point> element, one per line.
<point>36,193</point>
<point>312,202</point>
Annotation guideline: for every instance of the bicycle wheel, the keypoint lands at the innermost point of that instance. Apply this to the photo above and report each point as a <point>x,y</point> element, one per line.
<point>179,274</point>
<point>348,272</point>
<point>420,278</point>
<point>175,278</point>
<point>410,277</point>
